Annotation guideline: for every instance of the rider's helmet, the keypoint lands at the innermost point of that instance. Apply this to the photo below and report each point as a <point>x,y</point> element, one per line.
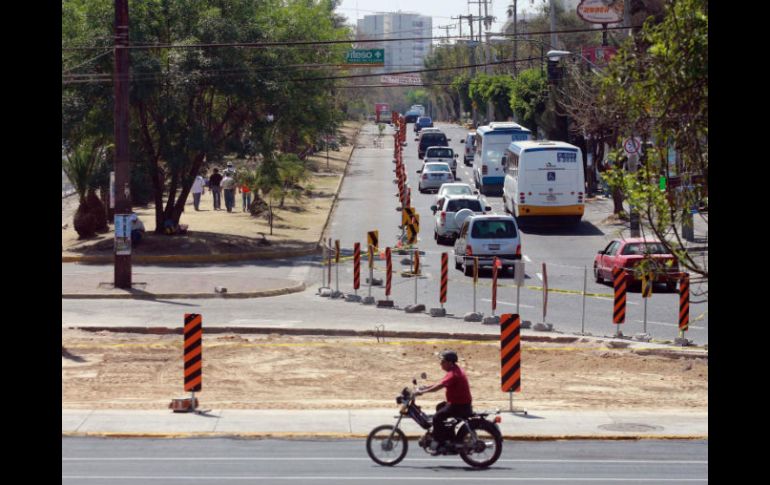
<point>449,356</point>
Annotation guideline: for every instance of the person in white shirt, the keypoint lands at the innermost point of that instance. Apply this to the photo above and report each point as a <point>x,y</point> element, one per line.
<point>197,191</point>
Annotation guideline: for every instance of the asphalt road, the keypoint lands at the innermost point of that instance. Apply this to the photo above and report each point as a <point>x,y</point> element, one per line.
<point>367,202</point>
<point>218,461</point>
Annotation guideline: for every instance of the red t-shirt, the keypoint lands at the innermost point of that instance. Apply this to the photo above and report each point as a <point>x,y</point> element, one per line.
<point>458,391</point>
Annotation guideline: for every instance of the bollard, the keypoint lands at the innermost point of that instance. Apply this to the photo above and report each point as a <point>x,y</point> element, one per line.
<point>647,281</point>
<point>356,267</point>
<point>545,292</point>
<point>583,317</point>
<point>193,355</point>
<point>370,299</point>
<point>440,312</point>
<point>619,309</point>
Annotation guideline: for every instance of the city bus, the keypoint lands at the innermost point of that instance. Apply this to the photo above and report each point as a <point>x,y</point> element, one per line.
<point>544,179</point>
<point>491,142</point>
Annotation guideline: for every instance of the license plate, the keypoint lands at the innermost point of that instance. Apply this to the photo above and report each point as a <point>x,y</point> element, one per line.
<point>493,247</point>
<point>551,198</point>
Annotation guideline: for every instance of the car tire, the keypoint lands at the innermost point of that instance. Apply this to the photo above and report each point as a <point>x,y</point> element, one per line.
<point>671,286</point>
<point>598,275</point>
<point>467,269</point>
<point>458,265</point>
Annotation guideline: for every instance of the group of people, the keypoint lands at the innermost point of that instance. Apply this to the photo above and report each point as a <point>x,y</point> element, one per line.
<point>219,184</point>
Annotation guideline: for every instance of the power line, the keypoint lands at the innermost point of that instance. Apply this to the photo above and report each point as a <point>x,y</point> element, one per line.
<point>265,45</point>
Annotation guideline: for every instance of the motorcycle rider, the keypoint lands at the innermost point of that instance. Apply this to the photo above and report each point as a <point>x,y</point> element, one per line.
<point>458,396</point>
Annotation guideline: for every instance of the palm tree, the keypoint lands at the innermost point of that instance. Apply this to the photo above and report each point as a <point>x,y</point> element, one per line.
<point>79,164</point>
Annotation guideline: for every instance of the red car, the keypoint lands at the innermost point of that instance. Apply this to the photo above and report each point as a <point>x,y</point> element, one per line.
<point>627,253</point>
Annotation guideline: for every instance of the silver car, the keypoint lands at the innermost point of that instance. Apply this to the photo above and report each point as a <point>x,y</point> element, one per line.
<point>442,154</point>
<point>486,237</point>
<point>450,212</point>
<point>433,175</point>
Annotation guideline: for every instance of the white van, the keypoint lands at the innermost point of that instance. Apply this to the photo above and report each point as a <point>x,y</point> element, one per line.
<point>544,178</point>
<point>491,142</point>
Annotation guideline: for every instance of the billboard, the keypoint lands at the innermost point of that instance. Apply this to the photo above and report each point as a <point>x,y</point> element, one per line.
<point>601,11</point>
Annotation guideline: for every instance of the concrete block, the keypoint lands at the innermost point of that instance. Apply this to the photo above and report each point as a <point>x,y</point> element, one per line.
<point>682,341</point>
<point>473,317</point>
<point>492,320</point>
<point>353,298</point>
<point>438,312</point>
<point>325,292</point>
<point>543,327</point>
<point>526,324</point>
<point>642,337</point>
<point>337,294</point>
<point>375,281</point>
<point>384,303</point>
<point>368,300</point>
<point>220,289</point>
<point>415,308</point>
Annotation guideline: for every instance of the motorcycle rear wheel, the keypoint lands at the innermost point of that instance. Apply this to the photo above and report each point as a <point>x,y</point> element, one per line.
<point>382,449</point>
<point>488,447</point>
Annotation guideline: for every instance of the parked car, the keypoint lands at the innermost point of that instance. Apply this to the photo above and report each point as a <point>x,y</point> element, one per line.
<point>626,254</point>
<point>433,175</point>
<point>430,139</point>
<point>486,237</point>
<point>455,188</point>
<point>422,122</point>
<point>442,154</point>
<point>451,211</point>
<point>469,148</point>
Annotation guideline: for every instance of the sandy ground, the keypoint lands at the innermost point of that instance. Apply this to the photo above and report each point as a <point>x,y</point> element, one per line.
<point>135,371</point>
<point>297,225</point>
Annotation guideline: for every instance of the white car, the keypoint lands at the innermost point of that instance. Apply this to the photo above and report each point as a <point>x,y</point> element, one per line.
<point>469,147</point>
<point>455,188</point>
<point>433,175</point>
<point>442,154</point>
<point>487,237</point>
<point>451,211</point>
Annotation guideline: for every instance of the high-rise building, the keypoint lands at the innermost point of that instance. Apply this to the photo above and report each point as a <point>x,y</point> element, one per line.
<point>402,55</point>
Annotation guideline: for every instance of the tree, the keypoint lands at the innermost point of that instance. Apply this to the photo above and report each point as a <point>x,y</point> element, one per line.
<point>80,163</point>
<point>191,104</point>
<point>657,86</point>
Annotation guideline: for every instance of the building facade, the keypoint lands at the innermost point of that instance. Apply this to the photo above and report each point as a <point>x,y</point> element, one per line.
<point>402,55</point>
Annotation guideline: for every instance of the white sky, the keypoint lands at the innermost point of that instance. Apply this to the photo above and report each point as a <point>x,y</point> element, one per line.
<point>440,10</point>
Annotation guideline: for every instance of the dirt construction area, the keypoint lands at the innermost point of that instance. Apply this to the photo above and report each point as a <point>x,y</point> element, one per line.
<point>108,370</point>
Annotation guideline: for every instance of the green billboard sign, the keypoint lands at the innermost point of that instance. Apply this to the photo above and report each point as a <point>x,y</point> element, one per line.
<point>365,56</point>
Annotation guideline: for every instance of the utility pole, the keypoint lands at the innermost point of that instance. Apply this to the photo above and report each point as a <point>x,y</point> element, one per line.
<point>122,167</point>
<point>446,28</point>
<point>515,38</point>
<point>554,37</point>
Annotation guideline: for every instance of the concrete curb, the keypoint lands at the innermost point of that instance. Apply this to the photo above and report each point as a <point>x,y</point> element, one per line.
<point>342,436</point>
<point>153,296</point>
<point>567,339</point>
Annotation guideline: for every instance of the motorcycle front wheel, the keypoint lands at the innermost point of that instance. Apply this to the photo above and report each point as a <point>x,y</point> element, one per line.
<point>386,445</point>
<point>487,448</point>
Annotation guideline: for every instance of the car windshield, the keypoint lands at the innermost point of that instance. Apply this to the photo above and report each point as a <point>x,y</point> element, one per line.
<point>644,248</point>
<point>440,152</point>
<point>454,205</point>
<point>437,167</point>
<point>433,139</point>
<point>457,190</point>
<point>493,229</point>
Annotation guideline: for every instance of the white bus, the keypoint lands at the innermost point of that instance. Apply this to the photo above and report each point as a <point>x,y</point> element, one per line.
<point>544,178</point>
<point>491,142</point>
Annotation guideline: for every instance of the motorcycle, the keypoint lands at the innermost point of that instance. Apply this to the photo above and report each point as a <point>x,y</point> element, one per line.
<point>476,438</point>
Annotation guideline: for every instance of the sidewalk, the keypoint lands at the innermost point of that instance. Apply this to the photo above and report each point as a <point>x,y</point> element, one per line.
<point>154,285</point>
<point>356,423</point>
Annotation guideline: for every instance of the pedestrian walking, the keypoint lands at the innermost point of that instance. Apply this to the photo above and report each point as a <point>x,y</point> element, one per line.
<point>228,186</point>
<point>230,169</point>
<point>197,191</point>
<point>245,192</point>
<point>215,182</point>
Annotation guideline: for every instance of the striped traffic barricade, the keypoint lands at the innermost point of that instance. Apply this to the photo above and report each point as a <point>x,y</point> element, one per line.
<point>619,307</point>
<point>442,295</point>
<point>510,356</point>
<point>684,304</point>
<point>387,302</point>
<point>193,363</point>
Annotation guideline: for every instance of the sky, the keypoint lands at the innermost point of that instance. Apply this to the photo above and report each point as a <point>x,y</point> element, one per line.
<point>440,10</point>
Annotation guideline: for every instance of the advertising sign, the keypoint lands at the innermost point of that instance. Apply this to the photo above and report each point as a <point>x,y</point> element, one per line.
<point>402,80</point>
<point>599,55</point>
<point>601,11</point>
<point>123,234</point>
